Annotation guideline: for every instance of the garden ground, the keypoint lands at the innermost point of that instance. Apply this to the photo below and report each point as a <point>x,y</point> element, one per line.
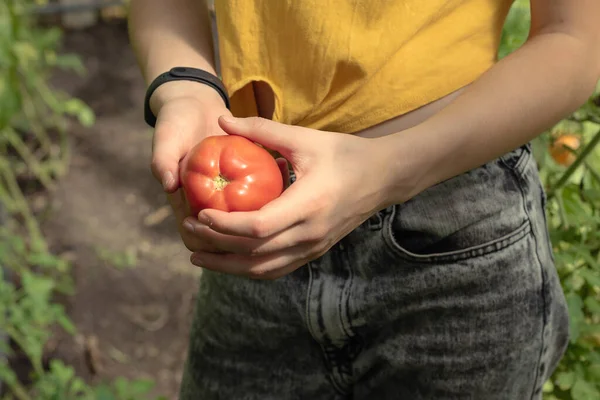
<point>134,284</point>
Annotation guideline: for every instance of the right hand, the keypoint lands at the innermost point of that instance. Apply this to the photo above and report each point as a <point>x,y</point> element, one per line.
<point>187,112</point>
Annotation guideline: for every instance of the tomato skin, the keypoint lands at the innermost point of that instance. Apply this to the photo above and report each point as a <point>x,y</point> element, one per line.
<point>229,173</point>
<point>560,154</point>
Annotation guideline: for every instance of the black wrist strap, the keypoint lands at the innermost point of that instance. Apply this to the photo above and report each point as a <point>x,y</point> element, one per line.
<point>182,74</point>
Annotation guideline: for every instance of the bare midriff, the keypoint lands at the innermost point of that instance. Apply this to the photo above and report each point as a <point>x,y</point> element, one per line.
<point>265,102</point>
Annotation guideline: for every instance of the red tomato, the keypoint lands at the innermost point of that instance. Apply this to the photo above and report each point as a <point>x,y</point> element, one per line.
<point>229,173</point>
<point>562,155</point>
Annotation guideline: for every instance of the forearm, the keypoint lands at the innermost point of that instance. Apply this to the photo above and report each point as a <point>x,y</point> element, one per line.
<point>521,96</point>
<point>166,34</point>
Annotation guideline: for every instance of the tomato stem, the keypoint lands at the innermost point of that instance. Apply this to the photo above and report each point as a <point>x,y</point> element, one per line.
<point>221,182</point>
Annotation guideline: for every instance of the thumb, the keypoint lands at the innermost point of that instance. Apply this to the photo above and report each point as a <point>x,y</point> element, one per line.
<point>167,151</point>
<point>270,134</point>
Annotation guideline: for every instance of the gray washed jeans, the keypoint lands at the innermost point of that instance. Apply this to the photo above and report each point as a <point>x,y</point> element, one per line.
<point>452,295</point>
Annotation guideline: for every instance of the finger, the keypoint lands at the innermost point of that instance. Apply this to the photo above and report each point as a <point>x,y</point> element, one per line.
<point>225,243</point>
<point>195,238</point>
<point>272,266</point>
<point>284,212</point>
<point>299,234</point>
<point>181,211</point>
<point>271,134</point>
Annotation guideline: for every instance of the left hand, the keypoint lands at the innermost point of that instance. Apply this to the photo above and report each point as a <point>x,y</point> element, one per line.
<point>341,182</point>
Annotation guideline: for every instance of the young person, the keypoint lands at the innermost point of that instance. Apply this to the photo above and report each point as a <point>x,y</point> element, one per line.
<point>410,258</point>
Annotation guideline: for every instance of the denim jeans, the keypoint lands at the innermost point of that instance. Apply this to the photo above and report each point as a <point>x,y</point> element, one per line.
<point>451,295</point>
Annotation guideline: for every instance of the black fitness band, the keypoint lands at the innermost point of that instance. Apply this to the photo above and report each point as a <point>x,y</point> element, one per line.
<point>182,74</point>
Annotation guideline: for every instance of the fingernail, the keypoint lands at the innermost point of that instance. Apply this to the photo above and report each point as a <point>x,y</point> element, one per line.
<point>188,226</point>
<point>195,259</point>
<point>204,219</point>
<point>167,180</point>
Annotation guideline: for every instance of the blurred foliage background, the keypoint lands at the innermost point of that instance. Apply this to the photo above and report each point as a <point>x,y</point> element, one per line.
<point>34,155</point>
<point>569,161</point>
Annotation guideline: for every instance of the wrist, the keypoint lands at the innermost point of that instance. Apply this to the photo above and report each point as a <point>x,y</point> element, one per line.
<point>408,163</point>
<point>174,90</point>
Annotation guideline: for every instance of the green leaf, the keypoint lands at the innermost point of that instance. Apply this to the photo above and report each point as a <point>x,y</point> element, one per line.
<point>574,282</point>
<point>37,288</point>
<point>103,392</point>
<point>565,380</point>
<point>120,385</point>
<point>25,52</point>
<point>70,61</point>
<point>594,357</point>
<point>61,371</point>
<point>86,117</point>
<point>80,110</point>
<point>590,329</point>
<point>516,28</point>
<point>592,194</point>
<point>141,386</point>
<point>583,390</point>
<point>45,260</point>
<point>49,38</point>
<point>590,276</point>
<point>66,324</point>
<point>593,373</point>
<point>4,346</point>
<point>6,374</point>
<point>592,304</point>
<point>18,244</point>
<point>78,386</point>
<point>575,305</point>
<point>548,387</point>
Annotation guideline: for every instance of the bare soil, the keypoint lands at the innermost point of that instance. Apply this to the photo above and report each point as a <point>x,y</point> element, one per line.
<point>134,284</point>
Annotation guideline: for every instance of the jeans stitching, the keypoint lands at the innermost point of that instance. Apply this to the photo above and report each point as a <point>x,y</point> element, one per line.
<point>340,361</point>
<point>520,174</point>
<point>520,177</point>
<point>338,377</point>
<point>345,295</point>
<point>337,381</point>
<point>308,317</point>
<point>375,222</point>
<point>521,163</point>
<point>481,250</point>
<point>329,352</point>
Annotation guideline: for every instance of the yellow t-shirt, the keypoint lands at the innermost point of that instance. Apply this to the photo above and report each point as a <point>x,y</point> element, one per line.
<point>346,65</point>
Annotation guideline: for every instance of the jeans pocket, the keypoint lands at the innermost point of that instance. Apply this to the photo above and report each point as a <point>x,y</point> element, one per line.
<point>470,215</point>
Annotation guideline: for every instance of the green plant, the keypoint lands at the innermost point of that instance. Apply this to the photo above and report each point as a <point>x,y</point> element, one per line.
<point>34,148</point>
<point>574,218</point>
<point>516,28</point>
<point>573,211</point>
<point>123,259</point>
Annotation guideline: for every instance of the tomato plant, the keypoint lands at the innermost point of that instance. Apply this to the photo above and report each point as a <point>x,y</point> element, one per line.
<point>230,173</point>
<point>568,157</point>
<point>34,149</point>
